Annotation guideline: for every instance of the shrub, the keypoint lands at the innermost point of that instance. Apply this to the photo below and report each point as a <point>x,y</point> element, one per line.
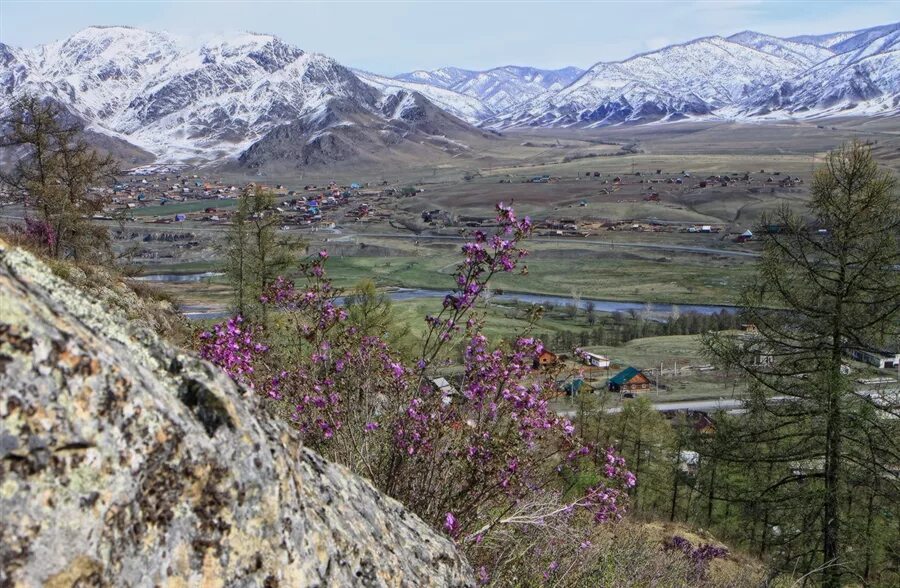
<point>487,459</point>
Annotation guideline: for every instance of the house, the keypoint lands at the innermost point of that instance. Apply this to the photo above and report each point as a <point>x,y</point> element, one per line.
<point>879,359</point>
<point>630,380</point>
<point>545,359</point>
<point>596,360</point>
<point>577,386</point>
<point>701,423</point>
<point>688,461</point>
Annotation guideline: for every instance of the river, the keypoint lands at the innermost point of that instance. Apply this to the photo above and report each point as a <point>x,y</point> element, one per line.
<point>654,310</point>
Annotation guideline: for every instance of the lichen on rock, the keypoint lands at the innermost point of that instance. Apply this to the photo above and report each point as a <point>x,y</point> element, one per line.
<point>126,462</point>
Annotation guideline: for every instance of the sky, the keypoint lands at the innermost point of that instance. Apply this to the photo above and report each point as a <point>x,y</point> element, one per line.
<point>390,37</point>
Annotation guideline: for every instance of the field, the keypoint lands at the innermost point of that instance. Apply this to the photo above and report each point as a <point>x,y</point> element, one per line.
<point>679,357</point>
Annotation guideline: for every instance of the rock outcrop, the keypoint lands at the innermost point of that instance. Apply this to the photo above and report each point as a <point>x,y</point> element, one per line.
<point>125,462</point>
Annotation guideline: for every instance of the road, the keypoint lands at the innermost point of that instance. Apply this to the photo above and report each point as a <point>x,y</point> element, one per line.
<point>888,398</point>
<point>170,227</point>
<point>706,405</point>
<point>610,244</point>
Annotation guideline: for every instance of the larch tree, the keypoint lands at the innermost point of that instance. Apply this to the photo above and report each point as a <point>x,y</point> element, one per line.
<point>256,254</point>
<point>827,286</point>
<point>58,176</point>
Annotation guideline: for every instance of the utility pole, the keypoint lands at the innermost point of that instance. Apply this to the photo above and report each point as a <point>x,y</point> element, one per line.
<point>658,378</point>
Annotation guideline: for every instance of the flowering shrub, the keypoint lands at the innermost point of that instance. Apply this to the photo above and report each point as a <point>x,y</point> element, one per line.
<point>489,456</point>
<point>234,348</point>
<point>40,232</point>
<point>700,556</point>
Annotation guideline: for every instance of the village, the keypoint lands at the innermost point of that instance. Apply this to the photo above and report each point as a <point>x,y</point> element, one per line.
<point>170,194</point>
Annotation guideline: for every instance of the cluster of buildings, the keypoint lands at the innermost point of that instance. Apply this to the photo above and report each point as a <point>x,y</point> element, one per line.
<point>628,382</point>
<point>160,186</point>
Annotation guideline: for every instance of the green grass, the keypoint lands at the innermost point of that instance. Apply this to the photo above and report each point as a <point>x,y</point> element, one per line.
<point>672,350</point>
<point>650,351</point>
<point>171,209</point>
<point>644,280</point>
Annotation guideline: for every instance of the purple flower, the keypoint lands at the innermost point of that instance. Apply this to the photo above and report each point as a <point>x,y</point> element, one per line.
<point>451,525</point>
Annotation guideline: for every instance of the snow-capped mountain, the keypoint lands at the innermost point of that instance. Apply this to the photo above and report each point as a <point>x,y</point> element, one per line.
<point>690,79</point>
<point>445,77</point>
<point>743,76</point>
<point>864,79</point>
<point>801,54</point>
<point>847,40</point>
<point>254,98</point>
<point>461,105</point>
<point>202,100</point>
<point>500,88</point>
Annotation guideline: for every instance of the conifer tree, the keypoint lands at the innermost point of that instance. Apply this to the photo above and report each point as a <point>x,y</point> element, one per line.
<point>255,252</point>
<point>827,286</point>
<point>58,177</point>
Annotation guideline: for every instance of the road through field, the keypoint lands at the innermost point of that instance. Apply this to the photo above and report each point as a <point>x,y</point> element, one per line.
<point>610,244</point>
<point>350,236</point>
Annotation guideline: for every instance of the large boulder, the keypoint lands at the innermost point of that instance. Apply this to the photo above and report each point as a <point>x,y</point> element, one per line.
<point>126,462</point>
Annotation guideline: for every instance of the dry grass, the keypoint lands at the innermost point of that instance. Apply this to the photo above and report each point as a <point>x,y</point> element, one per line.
<point>623,555</point>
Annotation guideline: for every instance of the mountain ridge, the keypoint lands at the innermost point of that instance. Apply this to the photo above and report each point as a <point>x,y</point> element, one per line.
<point>205,101</point>
<point>214,100</point>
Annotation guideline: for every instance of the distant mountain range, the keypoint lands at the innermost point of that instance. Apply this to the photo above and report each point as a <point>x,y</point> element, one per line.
<point>253,99</point>
<point>248,98</point>
<point>500,88</point>
<point>746,76</point>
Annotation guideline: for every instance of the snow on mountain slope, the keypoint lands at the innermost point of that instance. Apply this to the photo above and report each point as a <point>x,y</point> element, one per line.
<point>863,80</point>
<point>189,99</point>
<point>846,40</point>
<point>445,77</point>
<point>465,107</point>
<point>405,125</point>
<point>678,81</point>
<point>504,87</point>
<point>15,69</point>
<point>499,88</point>
<point>801,54</point>
<point>193,99</point>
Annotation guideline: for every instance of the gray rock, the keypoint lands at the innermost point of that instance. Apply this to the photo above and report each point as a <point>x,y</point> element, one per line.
<point>125,462</point>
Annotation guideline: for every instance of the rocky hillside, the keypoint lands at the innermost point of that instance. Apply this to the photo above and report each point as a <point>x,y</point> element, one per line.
<point>125,462</point>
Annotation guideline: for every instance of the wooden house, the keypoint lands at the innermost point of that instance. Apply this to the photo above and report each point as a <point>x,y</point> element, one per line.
<point>630,380</point>
<point>545,359</point>
<point>576,386</point>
